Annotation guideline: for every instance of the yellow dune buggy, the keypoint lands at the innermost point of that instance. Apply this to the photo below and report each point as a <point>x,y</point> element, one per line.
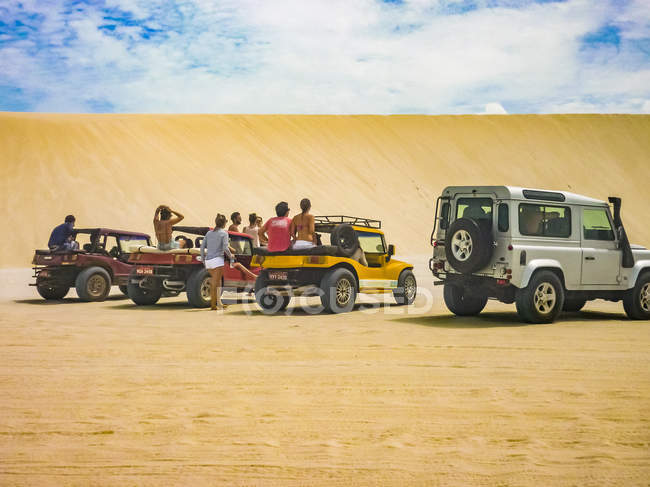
<point>356,261</point>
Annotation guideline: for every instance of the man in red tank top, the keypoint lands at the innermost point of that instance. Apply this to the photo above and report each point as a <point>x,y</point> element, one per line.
<point>276,229</point>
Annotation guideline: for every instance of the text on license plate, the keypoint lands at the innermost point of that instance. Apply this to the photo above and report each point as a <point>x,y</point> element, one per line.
<point>278,276</point>
<point>143,270</point>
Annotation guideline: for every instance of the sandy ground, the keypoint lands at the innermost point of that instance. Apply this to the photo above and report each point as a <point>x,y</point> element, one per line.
<point>111,394</point>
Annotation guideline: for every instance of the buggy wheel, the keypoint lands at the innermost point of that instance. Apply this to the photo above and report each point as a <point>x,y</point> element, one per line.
<point>339,291</point>
<point>143,296</point>
<point>270,302</point>
<point>52,291</point>
<point>93,284</point>
<point>407,288</point>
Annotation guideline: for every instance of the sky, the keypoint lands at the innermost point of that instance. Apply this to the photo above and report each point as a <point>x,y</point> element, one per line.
<point>325,56</point>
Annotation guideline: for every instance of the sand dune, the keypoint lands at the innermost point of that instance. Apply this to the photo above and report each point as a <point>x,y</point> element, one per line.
<point>113,170</point>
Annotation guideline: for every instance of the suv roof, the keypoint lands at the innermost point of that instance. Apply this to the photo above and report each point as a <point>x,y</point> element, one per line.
<point>109,231</point>
<point>525,194</point>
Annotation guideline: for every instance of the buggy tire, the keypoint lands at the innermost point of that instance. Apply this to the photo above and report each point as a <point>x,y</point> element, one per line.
<point>469,245</point>
<point>636,301</point>
<point>339,288</point>
<point>345,238</point>
<point>407,288</point>
<point>143,296</point>
<point>198,288</point>
<point>462,303</point>
<point>542,300</point>
<point>269,302</point>
<point>52,292</point>
<point>93,284</point>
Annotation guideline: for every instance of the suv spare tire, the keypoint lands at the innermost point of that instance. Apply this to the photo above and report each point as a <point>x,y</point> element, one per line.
<point>469,245</point>
<point>345,238</point>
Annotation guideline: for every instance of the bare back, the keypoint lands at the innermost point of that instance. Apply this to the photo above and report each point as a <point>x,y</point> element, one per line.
<point>302,227</point>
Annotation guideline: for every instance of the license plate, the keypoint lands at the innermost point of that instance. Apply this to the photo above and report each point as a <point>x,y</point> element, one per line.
<point>278,276</point>
<point>142,270</point>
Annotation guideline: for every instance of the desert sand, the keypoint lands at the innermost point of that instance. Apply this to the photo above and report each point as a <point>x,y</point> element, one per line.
<point>113,394</point>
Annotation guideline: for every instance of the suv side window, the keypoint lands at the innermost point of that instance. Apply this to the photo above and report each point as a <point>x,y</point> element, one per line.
<point>596,224</point>
<point>474,208</point>
<point>544,221</point>
<point>503,217</point>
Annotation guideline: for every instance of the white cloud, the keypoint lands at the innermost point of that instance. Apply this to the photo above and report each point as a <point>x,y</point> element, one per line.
<point>337,56</point>
<point>494,108</point>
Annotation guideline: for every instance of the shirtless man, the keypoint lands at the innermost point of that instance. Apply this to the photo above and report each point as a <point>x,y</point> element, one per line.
<point>302,229</point>
<point>163,223</point>
<point>236,221</point>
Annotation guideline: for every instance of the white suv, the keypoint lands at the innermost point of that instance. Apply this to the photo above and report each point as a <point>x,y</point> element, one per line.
<point>546,251</point>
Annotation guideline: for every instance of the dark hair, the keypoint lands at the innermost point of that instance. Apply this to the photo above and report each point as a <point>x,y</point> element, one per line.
<point>234,215</point>
<point>220,221</point>
<point>252,218</point>
<point>165,214</point>
<point>70,219</point>
<point>282,208</point>
<point>178,237</point>
<point>305,205</point>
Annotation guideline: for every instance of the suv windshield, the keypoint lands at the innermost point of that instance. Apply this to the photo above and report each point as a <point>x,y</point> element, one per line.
<point>474,208</point>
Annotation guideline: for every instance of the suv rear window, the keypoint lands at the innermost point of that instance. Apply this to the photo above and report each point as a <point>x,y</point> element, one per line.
<point>474,208</point>
<point>544,220</point>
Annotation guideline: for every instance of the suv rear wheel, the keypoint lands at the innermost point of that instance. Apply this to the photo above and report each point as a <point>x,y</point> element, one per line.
<point>339,291</point>
<point>636,301</point>
<point>542,300</point>
<point>270,302</point>
<point>52,291</point>
<point>93,284</point>
<point>462,303</point>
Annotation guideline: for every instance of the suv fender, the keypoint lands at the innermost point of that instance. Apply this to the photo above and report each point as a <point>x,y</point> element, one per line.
<point>537,264</point>
<point>639,267</point>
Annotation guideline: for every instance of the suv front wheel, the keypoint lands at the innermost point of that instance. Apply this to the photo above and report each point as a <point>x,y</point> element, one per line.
<point>542,300</point>
<point>462,303</point>
<point>636,301</point>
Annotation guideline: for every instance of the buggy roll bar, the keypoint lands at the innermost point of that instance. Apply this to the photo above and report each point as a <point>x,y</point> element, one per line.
<point>331,220</point>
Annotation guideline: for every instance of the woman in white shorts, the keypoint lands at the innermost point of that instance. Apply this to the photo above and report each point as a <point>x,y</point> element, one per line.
<point>213,249</point>
<point>302,229</point>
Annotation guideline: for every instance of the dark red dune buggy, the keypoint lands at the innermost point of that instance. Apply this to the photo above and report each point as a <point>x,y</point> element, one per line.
<point>157,273</point>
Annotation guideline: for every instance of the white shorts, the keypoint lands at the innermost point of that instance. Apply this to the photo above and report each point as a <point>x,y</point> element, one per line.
<point>302,244</point>
<point>214,263</point>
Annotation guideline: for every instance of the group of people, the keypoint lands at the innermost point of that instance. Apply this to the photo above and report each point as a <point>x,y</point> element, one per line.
<point>277,234</point>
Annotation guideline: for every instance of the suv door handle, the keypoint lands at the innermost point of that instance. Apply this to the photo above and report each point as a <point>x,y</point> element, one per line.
<point>590,258</point>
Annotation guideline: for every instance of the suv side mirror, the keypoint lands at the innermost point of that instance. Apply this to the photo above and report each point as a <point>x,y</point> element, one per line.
<point>391,250</point>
